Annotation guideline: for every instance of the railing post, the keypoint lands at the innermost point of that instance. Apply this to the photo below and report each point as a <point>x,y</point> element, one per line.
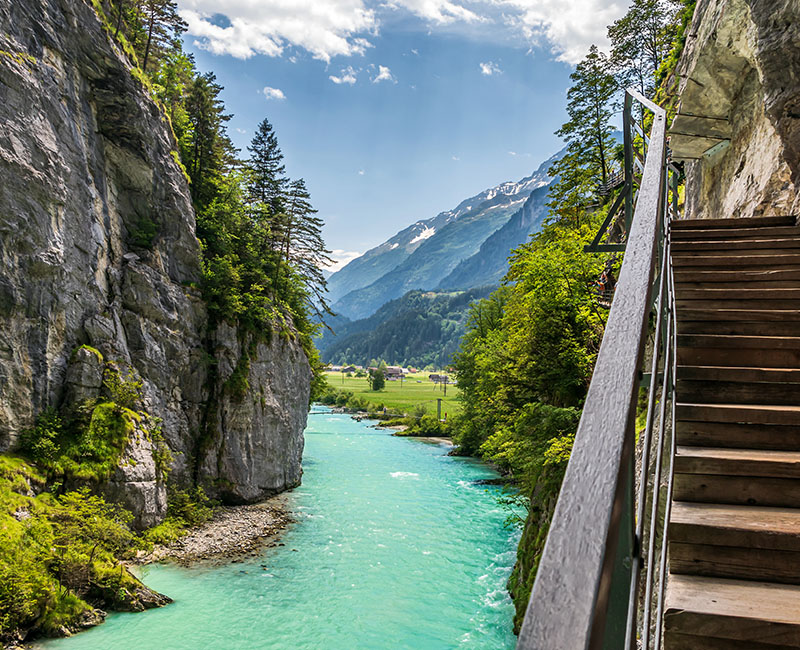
<point>627,138</point>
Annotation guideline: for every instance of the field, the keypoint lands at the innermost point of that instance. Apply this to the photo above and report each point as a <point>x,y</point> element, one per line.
<point>400,398</point>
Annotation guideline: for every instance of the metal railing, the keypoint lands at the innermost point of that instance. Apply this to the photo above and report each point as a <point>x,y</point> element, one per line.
<point>588,592</point>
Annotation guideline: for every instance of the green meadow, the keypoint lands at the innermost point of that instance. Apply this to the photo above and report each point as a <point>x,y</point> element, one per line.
<point>400,397</point>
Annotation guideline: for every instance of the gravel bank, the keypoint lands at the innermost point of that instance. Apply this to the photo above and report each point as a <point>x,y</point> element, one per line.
<point>233,533</point>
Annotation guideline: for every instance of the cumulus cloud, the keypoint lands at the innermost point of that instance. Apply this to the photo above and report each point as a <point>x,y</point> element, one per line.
<point>346,76</point>
<point>331,28</point>
<point>569,27</point>
<point>341,258</point>
<point>325,29</point>
<point>437,11</point>
<point>489,68</point>
<point>384,74</point>
<point>273,93</point>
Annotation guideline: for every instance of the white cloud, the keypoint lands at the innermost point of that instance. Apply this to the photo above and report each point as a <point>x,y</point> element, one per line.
<point>512,153</point>
<point>437,11</point>
<point>569,27</point>
<point>273,93</point>
<point>456,158</point>
<point>242,131</point>
<point>384,74</point>
<point>341,258</point>
<point>360,172</point>
<point>331,28</point>
<point>489,68</point>
<point>347,76</point>
<point>325,29</point>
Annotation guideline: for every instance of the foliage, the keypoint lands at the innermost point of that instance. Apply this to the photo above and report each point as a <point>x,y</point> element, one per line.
<point>420,329</point>
<point>261,241</point>
<point>125,391</point>
<point>641,40</point>
<point>376,380</point>
<point>56,554</point>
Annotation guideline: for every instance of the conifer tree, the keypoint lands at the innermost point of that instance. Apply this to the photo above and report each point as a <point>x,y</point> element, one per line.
<point>588,133</point>
<point>163,25</point>
<point>303,246</point>
<point>268,180</point>
<point>208,150</point>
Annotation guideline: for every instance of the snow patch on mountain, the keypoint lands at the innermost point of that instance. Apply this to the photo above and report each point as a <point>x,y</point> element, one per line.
<point>426,233</point>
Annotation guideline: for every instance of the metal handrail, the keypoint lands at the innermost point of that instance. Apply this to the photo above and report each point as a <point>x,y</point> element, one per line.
<point>586,593</point>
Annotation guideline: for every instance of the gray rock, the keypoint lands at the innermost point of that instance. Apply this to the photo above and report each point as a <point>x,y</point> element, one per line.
<point>84,376</point>
<point>86,160</point>
<point>740,90</point>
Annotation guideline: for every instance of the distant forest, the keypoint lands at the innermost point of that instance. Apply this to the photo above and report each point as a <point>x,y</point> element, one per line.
<point>423,328</point>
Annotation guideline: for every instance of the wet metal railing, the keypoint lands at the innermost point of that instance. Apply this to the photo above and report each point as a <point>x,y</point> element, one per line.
<point>599,580</point>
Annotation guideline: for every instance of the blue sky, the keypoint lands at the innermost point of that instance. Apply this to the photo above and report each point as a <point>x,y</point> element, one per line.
<point>394,110</point>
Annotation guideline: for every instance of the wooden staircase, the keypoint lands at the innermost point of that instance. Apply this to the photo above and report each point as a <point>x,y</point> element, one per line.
<point>734,532</point>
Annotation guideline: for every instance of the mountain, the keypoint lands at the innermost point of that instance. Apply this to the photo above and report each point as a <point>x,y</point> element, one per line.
<point>490,263</point>
<point>422,328</point>
<point>425,255</point>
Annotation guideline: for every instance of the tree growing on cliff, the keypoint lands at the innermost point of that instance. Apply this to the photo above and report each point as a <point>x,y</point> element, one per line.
<point>303,246</point>
<point>587,162</point>
<point>207,151</point>
<point>641,40</point>
<point>162,24</point>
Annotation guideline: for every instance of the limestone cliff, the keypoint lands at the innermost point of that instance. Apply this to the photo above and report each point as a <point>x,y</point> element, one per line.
<point>738,123</point>
<point>97,247</point>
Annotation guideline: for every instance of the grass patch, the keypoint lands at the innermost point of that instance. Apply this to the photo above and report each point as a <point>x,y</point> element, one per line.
<point>398,397</point>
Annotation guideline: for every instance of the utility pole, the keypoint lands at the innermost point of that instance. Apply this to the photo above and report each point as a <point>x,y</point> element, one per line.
<point>438,408</point>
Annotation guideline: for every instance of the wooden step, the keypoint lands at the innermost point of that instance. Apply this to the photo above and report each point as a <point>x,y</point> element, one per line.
<point>756,527</point>
<point>738,374</point>
<point>743,414</point>
<point>743,328</point>
<point>705,611</point>
<point>751,304</point>
<point>734,246</point>
<point>722,315</point>
<point>787,262</point>
<point>737,476</point>
<point>739,277</point>
<point>737,462</point>
<point>700,234</point>
<point>734,541</point>
<point>750,222</point>
<point>728,392</point>
<point>729,350</point>
<point>738,436</point>
<point>743,292</point>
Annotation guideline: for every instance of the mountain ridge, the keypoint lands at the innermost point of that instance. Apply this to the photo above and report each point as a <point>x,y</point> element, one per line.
<point>425,254</point>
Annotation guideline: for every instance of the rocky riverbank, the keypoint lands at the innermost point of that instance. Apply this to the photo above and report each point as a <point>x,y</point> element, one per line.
<point>233,533</point>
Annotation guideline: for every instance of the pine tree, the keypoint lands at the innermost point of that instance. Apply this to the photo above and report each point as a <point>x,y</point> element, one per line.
<point>163,24</point>
<point>268,180</point>
<point>303,245</point>
<point>588,133</point>
<point>208,151</point>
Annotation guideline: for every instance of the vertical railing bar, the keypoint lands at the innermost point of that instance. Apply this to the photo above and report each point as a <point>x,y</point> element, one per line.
<point>628,151</point>
<point>646,444</point>
<point>656,490</point>
<point>670,480</point>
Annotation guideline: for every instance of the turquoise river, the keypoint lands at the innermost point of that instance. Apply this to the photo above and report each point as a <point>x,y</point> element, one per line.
<point>395,546</point>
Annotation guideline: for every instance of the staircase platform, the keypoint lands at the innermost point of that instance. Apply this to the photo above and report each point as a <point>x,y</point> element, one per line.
<point>734,530</point>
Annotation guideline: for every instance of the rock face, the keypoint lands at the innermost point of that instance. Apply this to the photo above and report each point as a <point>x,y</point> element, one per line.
<point>97,247</point>
<point>263,387</point>
<point>738,125</point>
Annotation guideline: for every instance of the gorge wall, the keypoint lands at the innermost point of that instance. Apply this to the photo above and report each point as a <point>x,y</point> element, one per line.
<point>738,122</point>
<point>98,248</point>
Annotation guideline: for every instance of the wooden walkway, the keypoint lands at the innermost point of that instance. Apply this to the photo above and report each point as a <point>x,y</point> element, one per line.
<point>734,535</point>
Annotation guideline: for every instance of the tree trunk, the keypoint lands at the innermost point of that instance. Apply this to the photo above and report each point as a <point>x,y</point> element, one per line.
<point>149,37</point>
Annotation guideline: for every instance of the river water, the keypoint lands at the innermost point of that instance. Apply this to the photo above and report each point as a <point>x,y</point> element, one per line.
<point>395,546</point>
